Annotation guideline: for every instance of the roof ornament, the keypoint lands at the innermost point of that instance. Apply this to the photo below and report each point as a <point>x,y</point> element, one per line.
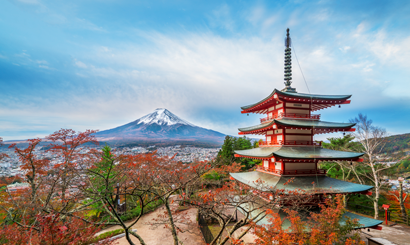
<point>288,64</point>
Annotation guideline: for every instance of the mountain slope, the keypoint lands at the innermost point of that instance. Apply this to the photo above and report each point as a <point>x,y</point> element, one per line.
<point>160,127</point>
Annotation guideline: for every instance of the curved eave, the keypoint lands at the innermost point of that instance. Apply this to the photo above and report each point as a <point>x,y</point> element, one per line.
<point>295,152</point>
<point>311,184</point>
<point>319,126</point>
<point>260,127</point>
<point>313,96</point>
<point>365,222</point>
<point>260,102</point>
<point>298,97</point>
<point>313,124</point>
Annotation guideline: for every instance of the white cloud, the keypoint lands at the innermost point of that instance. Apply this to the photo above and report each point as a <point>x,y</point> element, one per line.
<point>80,64</point>
<point>221,17</point>
<point>345,49</point>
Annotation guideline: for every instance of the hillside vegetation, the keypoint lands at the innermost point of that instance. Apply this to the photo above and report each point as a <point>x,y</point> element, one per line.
<point>396,143</point>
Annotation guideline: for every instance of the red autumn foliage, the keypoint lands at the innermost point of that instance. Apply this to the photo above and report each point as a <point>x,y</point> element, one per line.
<point>65,143</point>
<point>31,164</point>
<point>320,228</point>
<point>394,202</point>
<point>2,155</point>
<point>51,229</point>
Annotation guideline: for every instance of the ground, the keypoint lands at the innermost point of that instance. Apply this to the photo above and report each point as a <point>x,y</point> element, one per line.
<point>398,234</point>
<point>159,235</point>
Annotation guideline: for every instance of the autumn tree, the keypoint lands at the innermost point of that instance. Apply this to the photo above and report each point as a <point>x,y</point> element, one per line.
<point>327,226</point>
<point>401,197</point>
<point>2,155</point>
<point>65,144</point>
<point>51,229</point>
<point>34,170</point>
<point>28,207</point>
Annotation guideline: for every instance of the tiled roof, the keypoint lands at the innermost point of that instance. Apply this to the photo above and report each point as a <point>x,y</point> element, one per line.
<point>322,184</point>
<point>298,123</point>
<point>298,152</point>
<point>300,95</point>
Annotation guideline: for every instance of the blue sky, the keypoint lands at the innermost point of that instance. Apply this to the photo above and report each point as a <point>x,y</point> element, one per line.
<point>92,64</point>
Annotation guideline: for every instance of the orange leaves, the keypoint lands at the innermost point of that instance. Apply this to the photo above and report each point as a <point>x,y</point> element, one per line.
<point>31,164</point>
<point>320,228</point>
<point>51,229</point>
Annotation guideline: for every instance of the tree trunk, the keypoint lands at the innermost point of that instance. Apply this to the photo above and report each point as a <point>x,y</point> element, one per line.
<point>401,201</point>
<point>376,189</point>
<point>171,221</point>
<point>345,199</point>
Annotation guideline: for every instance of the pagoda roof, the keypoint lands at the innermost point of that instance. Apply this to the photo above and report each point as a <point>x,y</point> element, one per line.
<point>365,222</point>
<point>312,123</point>
<point>299,96</point>
<point>258,127</point>
<point>318,184</point>
<point>298,123</point>
<point>298,152</point>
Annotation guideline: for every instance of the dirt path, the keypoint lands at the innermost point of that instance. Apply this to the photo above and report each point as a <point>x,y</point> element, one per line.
<point>159,234</point>
<point>397,234</point>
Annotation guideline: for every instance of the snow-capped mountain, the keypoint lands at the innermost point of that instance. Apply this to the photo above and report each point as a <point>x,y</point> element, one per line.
<point>162,116</point>
<point>160,127</point>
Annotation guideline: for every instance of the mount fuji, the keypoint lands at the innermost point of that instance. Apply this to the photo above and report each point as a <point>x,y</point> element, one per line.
<point>160,127</point>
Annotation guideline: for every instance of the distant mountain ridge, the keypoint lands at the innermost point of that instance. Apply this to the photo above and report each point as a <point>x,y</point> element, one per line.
<point>400,142</point>
<point>160,127</point>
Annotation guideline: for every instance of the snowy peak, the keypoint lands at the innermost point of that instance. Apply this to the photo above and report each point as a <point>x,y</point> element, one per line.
<point>162,116</point>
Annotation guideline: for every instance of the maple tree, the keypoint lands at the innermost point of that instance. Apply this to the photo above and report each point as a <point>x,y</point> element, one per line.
<point>65,144</point>
<point>37,208</point>
<point>2,155</point>
<point>323,227</point>
<point>51,229</point>
<point>399,199</point>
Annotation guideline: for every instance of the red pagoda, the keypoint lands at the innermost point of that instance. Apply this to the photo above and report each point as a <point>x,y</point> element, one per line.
<point>289,151</point>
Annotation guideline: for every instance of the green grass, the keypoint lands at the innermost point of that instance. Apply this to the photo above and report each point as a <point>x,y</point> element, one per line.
<point>108,234</point>
<point>131,214</point>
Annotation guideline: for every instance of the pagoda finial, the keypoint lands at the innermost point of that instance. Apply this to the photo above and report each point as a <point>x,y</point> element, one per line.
<point>288,64</point>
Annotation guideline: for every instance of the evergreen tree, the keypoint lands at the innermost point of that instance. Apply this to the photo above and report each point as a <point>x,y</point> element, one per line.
<point>227,152</point>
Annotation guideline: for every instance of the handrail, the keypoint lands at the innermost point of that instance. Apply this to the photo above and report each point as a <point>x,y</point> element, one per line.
<point>291,115</point>
<point>290,142</point>
<point>292,172</point>
<point>275,171</point>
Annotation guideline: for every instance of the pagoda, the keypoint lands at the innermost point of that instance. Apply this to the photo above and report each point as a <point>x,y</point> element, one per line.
<point>289,153</point>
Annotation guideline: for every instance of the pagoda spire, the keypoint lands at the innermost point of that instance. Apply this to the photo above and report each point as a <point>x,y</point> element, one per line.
<point>288,64</point>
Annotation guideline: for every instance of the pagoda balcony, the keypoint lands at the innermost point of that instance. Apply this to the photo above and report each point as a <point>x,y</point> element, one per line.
<point>291,115</point>
<point>289,142</point>
<point>292,172</point>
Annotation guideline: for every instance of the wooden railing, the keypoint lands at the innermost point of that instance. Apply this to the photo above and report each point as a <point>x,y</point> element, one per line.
<point>304,172</point>
<point>291,115</point>
<point>290,142</point>
<point>292,172</point>
<point>274,171</point>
